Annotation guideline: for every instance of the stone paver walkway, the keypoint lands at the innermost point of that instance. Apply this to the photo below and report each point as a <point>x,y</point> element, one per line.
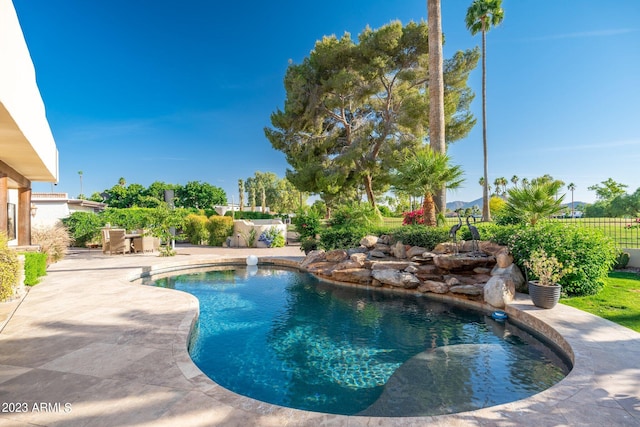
<point>89,348</point>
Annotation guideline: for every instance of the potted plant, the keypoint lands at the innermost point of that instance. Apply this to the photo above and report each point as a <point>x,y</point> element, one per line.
<point>544,292</point>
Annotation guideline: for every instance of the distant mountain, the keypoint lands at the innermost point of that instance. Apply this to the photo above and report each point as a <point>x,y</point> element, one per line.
<point>452,206</point>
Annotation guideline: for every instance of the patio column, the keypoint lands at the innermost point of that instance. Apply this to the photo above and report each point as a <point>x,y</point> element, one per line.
<point>24,217</point>
<point>4,199</point>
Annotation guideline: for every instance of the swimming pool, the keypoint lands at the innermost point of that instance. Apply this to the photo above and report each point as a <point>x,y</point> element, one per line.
<point>283,337</point>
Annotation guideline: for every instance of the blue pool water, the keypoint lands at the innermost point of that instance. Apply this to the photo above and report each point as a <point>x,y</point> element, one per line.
<point>286,338</point>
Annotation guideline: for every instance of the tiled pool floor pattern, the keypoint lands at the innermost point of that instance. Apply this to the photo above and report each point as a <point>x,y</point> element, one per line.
<point>88,348</point>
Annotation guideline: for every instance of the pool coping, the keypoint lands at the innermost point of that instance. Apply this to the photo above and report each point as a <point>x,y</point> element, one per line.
<point>602,389</point>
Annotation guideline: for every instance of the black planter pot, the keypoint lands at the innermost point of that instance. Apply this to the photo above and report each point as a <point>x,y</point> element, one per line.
<point>544,296</point>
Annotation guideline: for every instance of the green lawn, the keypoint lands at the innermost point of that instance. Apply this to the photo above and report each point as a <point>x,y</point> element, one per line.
<point>619,301</point>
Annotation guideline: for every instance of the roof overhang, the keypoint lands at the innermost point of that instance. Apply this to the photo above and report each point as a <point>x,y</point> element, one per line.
<point>28,151</point>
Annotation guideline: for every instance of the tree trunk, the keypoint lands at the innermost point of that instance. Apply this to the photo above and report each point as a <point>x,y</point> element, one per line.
<point>486,212</point>
<point>368,188</point>
<point>429,210</point>
<point>436,91</point>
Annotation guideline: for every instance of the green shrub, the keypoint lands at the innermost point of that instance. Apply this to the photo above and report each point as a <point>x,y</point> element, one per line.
<point>585,253</point>
<point>419,235</point>
<point>83,227</point>
<point>130,218</point>
<point>341,237</point>
<point>248,215</point>
<point>195,229</point>
<point>9,269</point>
<point>53,241</point>
<point>219,228</point>
<point>357,214</point>
<point>307,224</point>
<point>500,234</point>
<point>35,266</point>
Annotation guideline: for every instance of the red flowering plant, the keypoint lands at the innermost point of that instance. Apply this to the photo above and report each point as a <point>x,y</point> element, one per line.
<point>635,224</point>
<point>413,217</point>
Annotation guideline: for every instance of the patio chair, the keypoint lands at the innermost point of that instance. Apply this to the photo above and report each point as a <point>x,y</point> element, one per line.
<point>118,243</point>
<point>105,240</point>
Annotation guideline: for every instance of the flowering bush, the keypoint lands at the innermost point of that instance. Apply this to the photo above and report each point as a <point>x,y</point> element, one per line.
<point>307,224</point>
<point>272,238</point>
<point>635,224</point>
<point>413,217</point>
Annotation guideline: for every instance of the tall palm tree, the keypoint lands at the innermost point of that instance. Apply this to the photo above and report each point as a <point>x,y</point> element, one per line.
<point>426,170</point>
<point>81,192</point>
<point>436,90</point>
<point>514,180</point>
<point>572,187</point>
<point>481,16</point>
<point>241,194</point>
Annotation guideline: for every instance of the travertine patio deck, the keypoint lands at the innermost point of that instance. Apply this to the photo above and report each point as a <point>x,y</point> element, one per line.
<point>115,352</point>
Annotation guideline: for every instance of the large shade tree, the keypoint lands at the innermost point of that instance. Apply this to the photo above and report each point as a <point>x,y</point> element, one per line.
<point>481,16</point>
<point>353,108</point>
<point>426,171</point>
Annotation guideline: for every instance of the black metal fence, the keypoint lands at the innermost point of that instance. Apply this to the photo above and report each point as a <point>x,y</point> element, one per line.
<point>624,231</point>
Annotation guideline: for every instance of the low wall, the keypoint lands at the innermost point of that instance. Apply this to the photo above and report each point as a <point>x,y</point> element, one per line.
<point>242,228</point>
<point>634,257</point>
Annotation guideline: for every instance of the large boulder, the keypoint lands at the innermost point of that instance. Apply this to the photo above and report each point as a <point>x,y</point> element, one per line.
<point>499,291</point>
<point>511,273</point>
<point>358,258</point>
<point>358,250</point>
<point>396,278</point>
<point>313,257</point>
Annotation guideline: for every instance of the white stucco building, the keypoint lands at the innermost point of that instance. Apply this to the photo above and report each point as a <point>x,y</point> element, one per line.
<point>28,151</point>
<point>49,208</point>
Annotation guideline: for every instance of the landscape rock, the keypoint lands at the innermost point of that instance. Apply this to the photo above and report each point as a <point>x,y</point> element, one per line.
<point>313,256</point>
<point>434,286</point>
<point>385,239</point>
<point>353,275</point>
<point>382,248</point>
<point>359,258</point>
<point>337,255</point>
<point>399,279</point>
<point>482,270</point>
<point>377,254</point>
<point>512,273</point>
<point>448,262</point>
<point>358,250</point>
<point>390,265</point>
<point>399,251</point>
<point>348,264</point>
<point>411,269</point>
<point>466,290</point>
<point>369,241</point>
<point>322,268</point>
<point>499,291</point>
<point>503,258</point>
<point>415,251</point>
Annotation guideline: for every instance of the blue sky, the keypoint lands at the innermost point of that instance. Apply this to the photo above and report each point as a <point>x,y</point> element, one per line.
<point>181,91</point>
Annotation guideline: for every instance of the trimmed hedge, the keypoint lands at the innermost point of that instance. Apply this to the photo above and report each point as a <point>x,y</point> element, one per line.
<point>420,235</point>
<point>219,228</point>
<point>195,229</point>
<point>35,266</point>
